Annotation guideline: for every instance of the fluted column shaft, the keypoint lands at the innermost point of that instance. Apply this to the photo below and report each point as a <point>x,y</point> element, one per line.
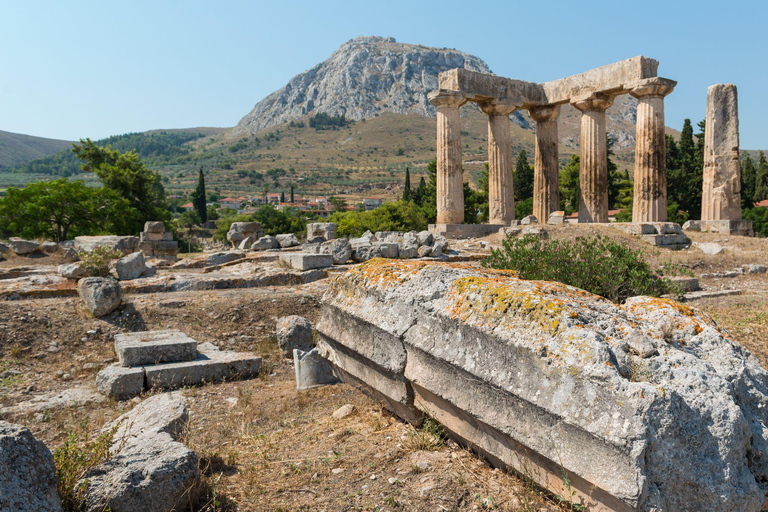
<point>546,174</point>
<point>450,186</point>
<point>721,195</point>
<point>650,189</point>
<point>501,190</point>
<point>593,173</point>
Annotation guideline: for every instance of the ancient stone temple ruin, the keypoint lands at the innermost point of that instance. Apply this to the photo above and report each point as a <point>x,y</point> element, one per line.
<point>592,93</point>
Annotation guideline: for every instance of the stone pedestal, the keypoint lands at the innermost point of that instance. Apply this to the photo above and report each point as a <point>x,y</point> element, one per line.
<point>501,190</point>
<point>593,174</point>
<point>650,192</point>
<point>721,196</point>
<point>450,185</point>
<point>546,175</point>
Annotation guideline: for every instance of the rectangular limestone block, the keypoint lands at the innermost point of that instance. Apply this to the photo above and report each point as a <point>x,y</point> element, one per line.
<point>120,382</point>
<point>461,231</point>
<point>168,236</point>
<point>151,237</point>
<point>306,261</point>
<point>209,366</point>
<point>147,248</point>
<point>633,228</point>
<point>153,347</point>
<point>154,226</point>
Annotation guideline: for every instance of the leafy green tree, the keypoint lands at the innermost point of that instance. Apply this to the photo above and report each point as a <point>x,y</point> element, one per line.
<point>483,196</point>
<point>523,177</point>
<point>338,203</point>
<point>125,174</point>
<point>569,185</point>
<point>685,171</point>
<point>399,216</point>
<point>761,179</point>
<point>212,214</point>
<point>759,218</point>
<point>748,179</point>
<point>198,198</point>
<point>61,209</point>
<point>189,219</point>
<point>407,189</point>
<point>429,197</point>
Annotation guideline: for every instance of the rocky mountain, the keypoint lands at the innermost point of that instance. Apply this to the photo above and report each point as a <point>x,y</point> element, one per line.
<point>16,148</point>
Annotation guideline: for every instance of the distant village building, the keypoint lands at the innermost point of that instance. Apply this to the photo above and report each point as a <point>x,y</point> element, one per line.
<point>188,207</point>
<point>231,203</point>
<point>369,203</point>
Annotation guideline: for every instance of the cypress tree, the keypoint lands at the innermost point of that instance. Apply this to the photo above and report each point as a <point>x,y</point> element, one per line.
<point>761,179</point>
<point>421,192</point>
<point>523,178</point>
<point>748,179</point>
<point>282,197</point>
<point>292,194</point>
<point>407,189</point>
<point>198,197</point>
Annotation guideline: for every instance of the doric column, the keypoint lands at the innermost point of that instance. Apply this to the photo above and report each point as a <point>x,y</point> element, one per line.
<point>501,190</point>
<point>650,191</point>
<point>450,186</point>
<point>593,174</point>
<point>721,197</point>
<point>546,174</point>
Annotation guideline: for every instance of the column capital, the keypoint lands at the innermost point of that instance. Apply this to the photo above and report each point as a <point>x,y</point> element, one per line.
<point>658,87</point>
<point>498,108</point>
<point>443,98</point>
<point>544,113</point>
<point>592,102</point>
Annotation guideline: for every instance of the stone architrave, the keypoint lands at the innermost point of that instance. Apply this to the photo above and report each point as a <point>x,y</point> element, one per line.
<point>593,175</point>
<point>501,190</point>
<point>450,185</point>
<point>721,196</point>
<point>546,174</point>
<point>650,195</point>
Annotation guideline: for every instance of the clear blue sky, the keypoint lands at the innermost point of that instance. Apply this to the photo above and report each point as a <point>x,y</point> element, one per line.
<point>92,69</point>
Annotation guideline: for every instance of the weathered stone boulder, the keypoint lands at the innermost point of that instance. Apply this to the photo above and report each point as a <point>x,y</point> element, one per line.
<point>366,253</point>
<point>529,219</point>
<point>69,254</point>
<point>49,247</point>
<point>339,248</point>
<point>535,231</point>
<point>154,226</point>
<point>101,294</point>
<point>265,243</point>
<point>437,250</point>
<point>148,468</point>
<point>408,249</point>
<point>287,240</point>
<point>76,270</point>
<point>321,230</point>
<point>644,406</point>
<point>210,260</point>
<point>20,246</point>
<point>130,267</point>
<point>124,244</point>
<point>692,225</point>
<point>5,248</point>
<point>247,242</point>
<point>294,332</point>
<point>711,248</point>
<point>426,238</point>
<point>27,473</point>
<point>556,218</point>
<point>424,251</point>
<point>239,231</point>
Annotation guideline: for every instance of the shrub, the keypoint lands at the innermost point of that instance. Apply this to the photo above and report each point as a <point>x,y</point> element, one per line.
<point>759,218</point>
<point>99,260</point>
<point>596,264</point>
<point>399,216</point>
<point>73,460</point>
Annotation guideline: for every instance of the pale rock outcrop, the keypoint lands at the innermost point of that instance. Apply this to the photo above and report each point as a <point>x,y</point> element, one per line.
<point>27,472</point>
<point>21,247</point>
<point>124,244</point>
<point>101,295</point>
<point>49,247</point>
<point>646,406</point>
<point>149,469</point>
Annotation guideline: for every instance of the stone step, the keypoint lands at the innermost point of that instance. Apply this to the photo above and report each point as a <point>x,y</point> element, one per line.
<point>153,347</point>
<point>306,260</point>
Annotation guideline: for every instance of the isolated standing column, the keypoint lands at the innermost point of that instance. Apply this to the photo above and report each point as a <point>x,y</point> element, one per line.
<point>450,186</point>
<point>501,190</point>
<point>546,174</point>
<point>593,173</point>
<point>650,188</point>
<point>721,196</point>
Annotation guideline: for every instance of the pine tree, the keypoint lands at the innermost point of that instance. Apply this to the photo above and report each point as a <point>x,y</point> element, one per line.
<point>407,189</point>
<point>748,178</point>
<point>761,179</point>
<point>198,197</point>
<point>523,177</point>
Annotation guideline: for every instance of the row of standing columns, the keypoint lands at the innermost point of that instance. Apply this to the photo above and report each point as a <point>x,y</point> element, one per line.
<point>650,184</point>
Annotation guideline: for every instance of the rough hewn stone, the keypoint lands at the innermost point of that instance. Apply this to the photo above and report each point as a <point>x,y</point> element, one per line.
<point>21,247</point>
<point>306,261</point>
<point>324,230</point>
<point>551,380</point>
<point>211,365</point>
<point>76,270</point>
<point>287,240</point>
<point>339,248</point>
<point>265,243</point>
<point>27,472</point>
<point>294,332</point>
<point>153,347</point>
<point>101,294</point>
<point>124,244</point>
<point>131,266</point>
<point>312,370</point>
<point>120,382</point>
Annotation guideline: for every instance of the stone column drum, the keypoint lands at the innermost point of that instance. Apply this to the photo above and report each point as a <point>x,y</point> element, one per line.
<point>450,186</point>
<point>593,174</point>
<point>546,174</point>
<point>721,196</point>
<point>650,191</point>
<point>501,190</point>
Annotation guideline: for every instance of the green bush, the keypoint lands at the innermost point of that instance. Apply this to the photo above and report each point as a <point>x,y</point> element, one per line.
<point>99,260</point>
<point>759,218</point>
<point>596,264</point>
<point>73,460</point>
<point>399,216</point>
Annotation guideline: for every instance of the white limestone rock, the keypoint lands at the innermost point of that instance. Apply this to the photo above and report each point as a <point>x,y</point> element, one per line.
<point>294,332</point>
<point>339,248</point>
<point>76,270</point>
<point>130,267</point>
<point>287,240</point>
<point>101,295</point>
<point>22,247</point>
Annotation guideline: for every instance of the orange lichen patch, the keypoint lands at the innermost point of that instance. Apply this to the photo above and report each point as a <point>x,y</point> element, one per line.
<point>492,298</point>
<point>694,317</point>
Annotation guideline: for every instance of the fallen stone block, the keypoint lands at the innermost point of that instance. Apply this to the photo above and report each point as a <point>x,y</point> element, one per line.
<point>101,295</point>
<point>209,367</point>
<point>130,267</point>
<point>153,347</point>
<point>692,225</point>
<point>312,370</point>
<point>366,253</point>
<point>529,219</point>
<point>154,226</point>
<point>556,218</point>
<point>755,269</point>
<point>22,247</point>
<point>407,249</point>
<point>49,247</point>
<point>324,230</point>
<point>27,472</point>
<point>686,284</point>
<point>294,332</point>
<point>265,243</point>
<point>76,270</point>
<point>535,231</point>
<point>148,468</point>
<point>553,381</point>
<point>124,244</point>
<point>210,260</point>
<point>119,382</point>
<point>388,249</point>
<point>711,248</point>
<point>339,248</point>
<point>306,261</point>
<point>287,240</point>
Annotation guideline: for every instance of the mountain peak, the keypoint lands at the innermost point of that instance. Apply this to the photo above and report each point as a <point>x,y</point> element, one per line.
<point>365,76</point>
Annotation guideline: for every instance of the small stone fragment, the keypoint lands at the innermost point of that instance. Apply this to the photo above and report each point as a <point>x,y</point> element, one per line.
<point>343,412</point>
